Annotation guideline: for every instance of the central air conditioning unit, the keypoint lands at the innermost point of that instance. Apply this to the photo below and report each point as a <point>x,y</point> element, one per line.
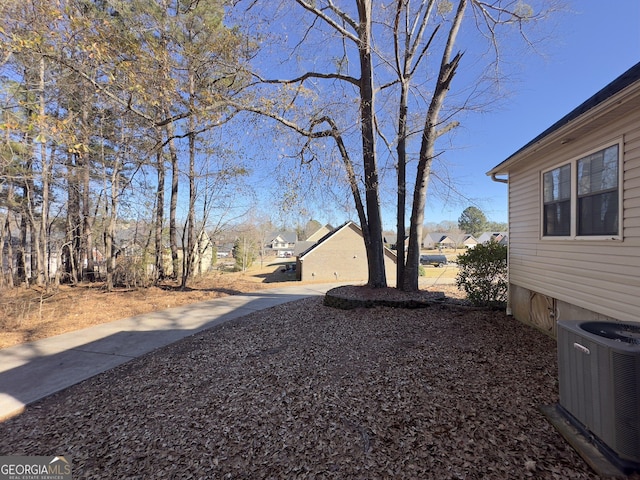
<point>599,381</point>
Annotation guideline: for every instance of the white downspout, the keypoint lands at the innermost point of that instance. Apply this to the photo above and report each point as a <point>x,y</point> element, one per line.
<point>506,180</point>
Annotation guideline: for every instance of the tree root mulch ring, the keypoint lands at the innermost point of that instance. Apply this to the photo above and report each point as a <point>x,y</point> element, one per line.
<point>348,297</point>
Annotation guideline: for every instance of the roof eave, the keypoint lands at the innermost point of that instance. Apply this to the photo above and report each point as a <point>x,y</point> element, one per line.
<point>596,106</point>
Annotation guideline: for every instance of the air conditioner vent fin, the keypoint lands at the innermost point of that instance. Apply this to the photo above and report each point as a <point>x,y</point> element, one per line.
<point>627,402</point>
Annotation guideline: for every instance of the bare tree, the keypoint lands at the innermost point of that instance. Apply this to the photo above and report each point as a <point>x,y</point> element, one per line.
<point>354,28</point>
<point>423,22</point>
<point>416,74</point>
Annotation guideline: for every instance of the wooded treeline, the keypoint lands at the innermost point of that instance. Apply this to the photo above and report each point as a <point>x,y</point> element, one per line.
<point>105,103</point>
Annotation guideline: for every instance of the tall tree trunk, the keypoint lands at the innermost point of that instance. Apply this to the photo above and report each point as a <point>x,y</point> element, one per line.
<point>173,202</point>
<point>109,244</point>
<point>374,244</point>
<point>402,185</point>
<point>3,272</point>
<point>29,239</point>
<point>417,219</point>
<point>430,133</point>
<point>189,252</point>
<point>5,236</point>
<point>43,250</point>
<point>9,275</point>
<point>112,219</point>
<point>87,223</point>
<point>21,262</point>
<point>72,264</point>
<point>35,257</point>
<point>159,223</point>
<point>169,129</point>
<point>409,29</point>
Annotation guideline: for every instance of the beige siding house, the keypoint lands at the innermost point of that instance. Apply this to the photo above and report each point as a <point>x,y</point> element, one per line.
<point>320,233</point>
<point>574,213</point>
<point>340,256</point>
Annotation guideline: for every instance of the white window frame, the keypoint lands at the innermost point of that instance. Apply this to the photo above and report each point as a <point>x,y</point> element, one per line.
<point>574,195</point>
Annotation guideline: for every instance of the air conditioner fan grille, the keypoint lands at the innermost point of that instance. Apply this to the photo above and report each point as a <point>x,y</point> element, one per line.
<point>622,332</point>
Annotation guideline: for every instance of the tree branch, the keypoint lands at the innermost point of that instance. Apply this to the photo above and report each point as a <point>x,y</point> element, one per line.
<point>101,88</point>
<point>447,128</point>
<point>308,75</point>
<point>331,22</point>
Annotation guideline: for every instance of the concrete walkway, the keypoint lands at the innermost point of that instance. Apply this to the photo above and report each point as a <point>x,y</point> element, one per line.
<point>34,370</point>
<point>37,369</point>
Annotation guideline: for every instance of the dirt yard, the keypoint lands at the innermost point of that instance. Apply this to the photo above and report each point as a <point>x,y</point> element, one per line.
<point>299,391</point>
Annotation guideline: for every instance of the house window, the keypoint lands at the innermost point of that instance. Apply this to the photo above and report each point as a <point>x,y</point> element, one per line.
<point>598,193</point>
<point>557,201</point>
<point>582,198</point>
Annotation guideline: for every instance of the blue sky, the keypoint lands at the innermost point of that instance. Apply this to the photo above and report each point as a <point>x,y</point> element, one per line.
<point>592,45</point>
<point>586,47</point>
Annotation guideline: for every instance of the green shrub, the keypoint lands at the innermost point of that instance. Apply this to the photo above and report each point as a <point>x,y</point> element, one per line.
<point>483,274</point>
<point>421,271</point>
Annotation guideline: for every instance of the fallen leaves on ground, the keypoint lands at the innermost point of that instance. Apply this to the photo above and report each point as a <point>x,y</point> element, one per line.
<point>306,391</point>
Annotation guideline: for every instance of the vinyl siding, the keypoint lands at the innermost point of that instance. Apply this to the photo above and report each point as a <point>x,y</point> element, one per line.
<point>341,257</point>
<point>602,276</point>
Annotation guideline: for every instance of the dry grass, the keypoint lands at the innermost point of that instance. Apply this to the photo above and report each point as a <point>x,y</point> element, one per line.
<point>31,314</point>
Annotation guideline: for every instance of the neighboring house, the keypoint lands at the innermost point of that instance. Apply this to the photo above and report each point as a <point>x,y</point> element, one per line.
<point>500,237</point>
<point>436,240</point>
<point>574,213</point>
<point>302,247</point>
<point>315,237</point>
<point>460,240</point>
<point>282,244</point>
<point>391,241</point>
<point>320,233</point>
<point>465,240</point>
<point>340,256</point>
<point>11,267</point>
<point>203,255</point>
<point>224,250</point>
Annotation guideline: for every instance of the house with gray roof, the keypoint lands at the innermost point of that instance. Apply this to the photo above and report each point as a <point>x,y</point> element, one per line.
<point>500,237</point>
<point>574,213</point>
<point>438,240</point>
<point>282,244</point>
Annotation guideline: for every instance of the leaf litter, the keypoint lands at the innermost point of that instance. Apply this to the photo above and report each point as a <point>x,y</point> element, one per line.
<point>302,390</point>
